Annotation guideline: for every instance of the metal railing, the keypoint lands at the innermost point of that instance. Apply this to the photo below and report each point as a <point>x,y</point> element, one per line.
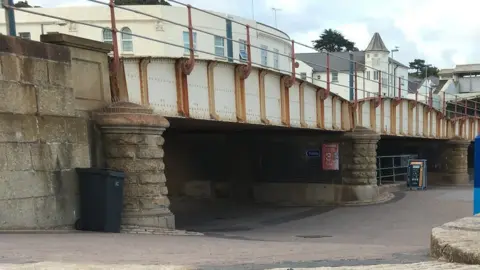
<point>454,106</point>
<point>391,169</point>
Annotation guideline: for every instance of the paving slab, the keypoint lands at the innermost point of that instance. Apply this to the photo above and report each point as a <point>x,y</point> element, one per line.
<point>457,241</point>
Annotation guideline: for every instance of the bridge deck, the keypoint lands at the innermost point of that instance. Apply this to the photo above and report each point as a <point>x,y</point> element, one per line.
<point>215,91</point>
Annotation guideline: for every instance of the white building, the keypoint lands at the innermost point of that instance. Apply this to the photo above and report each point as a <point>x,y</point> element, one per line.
<point>371,64</point>
<point>209,46</point>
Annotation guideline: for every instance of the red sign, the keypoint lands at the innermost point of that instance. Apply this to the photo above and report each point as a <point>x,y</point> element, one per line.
<point>330,160</point>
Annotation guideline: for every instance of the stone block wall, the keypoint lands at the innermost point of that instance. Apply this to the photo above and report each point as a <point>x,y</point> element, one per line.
<point>41,138</point>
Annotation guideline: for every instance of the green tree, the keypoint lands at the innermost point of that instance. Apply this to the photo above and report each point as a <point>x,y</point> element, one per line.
<point>333,41</point>
<point>421,70</point>
<point>142,2</point>
<point>22,4</point>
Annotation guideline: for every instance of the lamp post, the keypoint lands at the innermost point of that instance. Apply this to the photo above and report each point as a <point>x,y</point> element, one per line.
<point>51,23</point>
<point>275,14</point>
<point>396,49</point>
<point>426,81</point>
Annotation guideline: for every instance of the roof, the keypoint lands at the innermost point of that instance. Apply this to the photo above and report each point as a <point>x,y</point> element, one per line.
<point>377,44</point>
<point>338,61</point>
<point>414,83</point>
<point>441,83</point>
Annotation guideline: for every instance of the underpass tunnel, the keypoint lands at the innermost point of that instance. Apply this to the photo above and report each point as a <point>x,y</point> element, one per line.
<point>448,162</point>
<point>219,170</point>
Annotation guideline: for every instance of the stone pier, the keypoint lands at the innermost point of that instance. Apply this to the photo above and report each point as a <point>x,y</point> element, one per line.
<point>449,162</point>
<point>133,143</point>
<point>358,166</point>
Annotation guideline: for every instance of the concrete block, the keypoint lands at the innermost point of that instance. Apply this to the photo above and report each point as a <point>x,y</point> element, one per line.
<point>60,74</point>
<point>11,67</point>
<point>18,128</point>
<point>18,156</point>
<point>52,129</point>
<point>51,156</point>
<point>25,184</point>
<point>16,97</point>
<point>80,155</point>
<point>34,71</point>
<point>17,214</point>
<point>356,193</point>
<point>154,203</point>
<point>76,130</point>
<point>56,100</point>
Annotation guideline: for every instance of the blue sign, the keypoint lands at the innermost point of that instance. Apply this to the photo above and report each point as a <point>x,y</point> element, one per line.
<point>313,153</point>
<point>476,173</point>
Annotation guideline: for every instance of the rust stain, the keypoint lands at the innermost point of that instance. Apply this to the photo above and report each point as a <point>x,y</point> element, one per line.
<point>211,90</point>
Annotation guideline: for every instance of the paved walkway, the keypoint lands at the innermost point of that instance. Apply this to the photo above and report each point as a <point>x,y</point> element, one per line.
<point>395,235</point>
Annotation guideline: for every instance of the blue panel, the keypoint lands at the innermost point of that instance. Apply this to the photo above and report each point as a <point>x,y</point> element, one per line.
<point>476,172</point>
<point>10,15</point>
<point>229,41</point>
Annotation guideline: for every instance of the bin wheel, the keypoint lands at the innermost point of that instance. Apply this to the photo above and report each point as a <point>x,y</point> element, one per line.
<point>78,225</point>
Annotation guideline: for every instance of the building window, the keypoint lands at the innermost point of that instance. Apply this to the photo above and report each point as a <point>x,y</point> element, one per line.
<point>275,58</point>
<point>368,75</point>
<point>264,55</point>
<point>219,46</point>
<point>107,36</point>
<point>375,75</point>
<point>384,80</point>
<point>127,40</point>
<point>24,35</point>
<point>303,75</point>
<point>334,76</point>
<point>242,52</point>
<point>402,80</point>
<point>186,41</point>
<point>368,55</point>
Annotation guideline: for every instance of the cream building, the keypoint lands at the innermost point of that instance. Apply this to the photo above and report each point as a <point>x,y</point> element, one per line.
<point>273,47</point>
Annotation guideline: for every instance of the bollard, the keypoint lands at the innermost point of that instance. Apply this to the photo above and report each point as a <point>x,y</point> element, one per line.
<point>476,174</point>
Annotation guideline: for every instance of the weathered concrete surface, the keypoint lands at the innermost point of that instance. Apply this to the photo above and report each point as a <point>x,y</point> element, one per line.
<point>67,266</point>
<point>457,241</point>
<point>41,138</point>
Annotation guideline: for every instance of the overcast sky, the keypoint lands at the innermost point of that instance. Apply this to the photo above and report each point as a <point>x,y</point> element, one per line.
<point>442,33</point>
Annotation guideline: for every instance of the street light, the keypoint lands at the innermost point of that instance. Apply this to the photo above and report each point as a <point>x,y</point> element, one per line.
<point>394,71</point>
<point>52,23</point>
<point>275,14</point>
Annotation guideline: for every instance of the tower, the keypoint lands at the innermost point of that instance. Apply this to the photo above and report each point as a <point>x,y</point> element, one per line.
<point>377,65</point>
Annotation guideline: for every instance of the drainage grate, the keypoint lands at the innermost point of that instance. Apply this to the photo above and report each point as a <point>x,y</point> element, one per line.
<point>314,236</point>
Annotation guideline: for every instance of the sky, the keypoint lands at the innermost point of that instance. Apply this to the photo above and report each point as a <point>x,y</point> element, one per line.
<point>441,33</point>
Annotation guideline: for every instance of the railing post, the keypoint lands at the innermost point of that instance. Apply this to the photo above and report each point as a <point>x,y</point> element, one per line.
<point>116,56</point>
<point>430,98</point>
<point>328,75</point>
<point>399,88</point>
<point>190,64</point>
<point>10,17</point>
<point>444,105</point>
<point>379,87</point>
<point>455,115</point>
<point>475,112</point>
<point>248,68</point>
<point>294,64</point>
<point>356,84</point>
<point>466,107</point>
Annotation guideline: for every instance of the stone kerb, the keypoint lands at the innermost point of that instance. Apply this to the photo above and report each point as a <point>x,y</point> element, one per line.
<point>457,241</point>
<point>133,143</point>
